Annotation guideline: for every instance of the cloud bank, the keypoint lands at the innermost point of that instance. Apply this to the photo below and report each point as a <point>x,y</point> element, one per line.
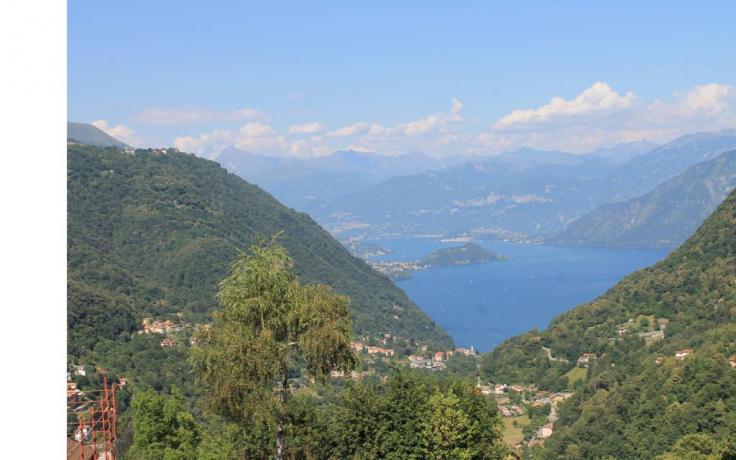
<point>598,116</point>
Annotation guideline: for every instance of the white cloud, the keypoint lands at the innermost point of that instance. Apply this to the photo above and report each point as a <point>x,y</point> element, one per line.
<point>376,130</point>
<point>457,106</point>
<point>700,102</point>
<point>432,122</point>
<point>598,116</point>
<point>207,145</point>
<point>194,115</point>
<point>597,100</point>
<point>350,130</point>
<point>260,138</point>
<point>119,132</point>
<point>307,128</point>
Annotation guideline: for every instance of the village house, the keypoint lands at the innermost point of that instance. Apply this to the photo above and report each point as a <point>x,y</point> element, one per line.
<point>659,359</point>
<point>359,346</point>
<point>732,361</point>
<point>420,364</point>
<point>545,431</point>
<point>168,343</point>
<point>439,356</point>
<point>78,369</point>
<point>663,322</point>
<point>517,410</point>
<point>380,351</point>
<point>354,375</point>
<point>500,389</point>
<point>73,395</point>
<point>465,351</point>
<point>586,358</point>
<point>151,326</point>
<point>652,336</point>
<point>122,382</point>
<point>485,389</point>
<point>622,331</point>
<point>682,354</point>
<point>505,411</point>
<point>561,397</point>
<point>83,434</point>
<point>517,388</point>
<point>79,451</point>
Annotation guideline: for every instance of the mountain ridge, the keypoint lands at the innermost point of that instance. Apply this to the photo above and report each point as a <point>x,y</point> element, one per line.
<point>662,218</point>
<point>88,134</point>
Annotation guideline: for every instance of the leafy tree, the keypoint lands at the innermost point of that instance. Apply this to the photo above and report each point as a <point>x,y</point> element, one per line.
<point>693,447</point>
<point>446,429</point>
<point>267,318</point>
<point>462,365</point>
<point>163,428</point>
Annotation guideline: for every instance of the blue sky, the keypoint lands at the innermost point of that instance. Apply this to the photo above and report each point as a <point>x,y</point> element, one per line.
<point>201,75</point>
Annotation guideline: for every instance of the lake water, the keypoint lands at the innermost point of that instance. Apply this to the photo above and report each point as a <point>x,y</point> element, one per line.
<point>481,305</point>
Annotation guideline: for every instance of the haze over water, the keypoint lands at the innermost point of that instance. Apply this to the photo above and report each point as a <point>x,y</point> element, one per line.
<point>482,305</point>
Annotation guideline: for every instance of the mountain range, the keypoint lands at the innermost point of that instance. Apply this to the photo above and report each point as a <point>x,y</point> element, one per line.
<point>512,194</point>
<point>308,184</point>
<point>664,217</point>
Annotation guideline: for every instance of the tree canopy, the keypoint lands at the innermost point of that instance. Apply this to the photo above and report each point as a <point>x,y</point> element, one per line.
<point>268,318</point>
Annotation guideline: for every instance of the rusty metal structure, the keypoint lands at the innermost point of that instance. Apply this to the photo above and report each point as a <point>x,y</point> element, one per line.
<point>92,422</point>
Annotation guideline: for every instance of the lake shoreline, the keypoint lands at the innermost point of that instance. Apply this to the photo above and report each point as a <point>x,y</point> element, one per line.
<point>484,304</point>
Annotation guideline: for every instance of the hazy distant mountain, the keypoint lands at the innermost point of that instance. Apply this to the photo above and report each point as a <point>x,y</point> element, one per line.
<point>525,191</point>
<point>307,184</point>
<point>645,172</point>
<point>664,217</point>
<point>85,133</point>
<point>526,157</point>
<point>625,151</point>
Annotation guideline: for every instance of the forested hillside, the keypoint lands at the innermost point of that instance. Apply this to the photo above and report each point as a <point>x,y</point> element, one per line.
<point>658,346</point>
<point>151,234</point>
<point>664,217</point>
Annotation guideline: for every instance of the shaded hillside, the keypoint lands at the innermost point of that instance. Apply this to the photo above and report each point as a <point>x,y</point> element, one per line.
<point>633,405</point>
<point>153,232</point>
<point>664,217</point>
<point>85,133</point>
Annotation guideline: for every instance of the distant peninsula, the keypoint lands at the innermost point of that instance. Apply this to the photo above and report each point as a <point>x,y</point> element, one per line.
<point>468,253</point>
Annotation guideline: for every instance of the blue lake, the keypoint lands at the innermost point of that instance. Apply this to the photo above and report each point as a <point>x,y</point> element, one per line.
<point>481,305</point>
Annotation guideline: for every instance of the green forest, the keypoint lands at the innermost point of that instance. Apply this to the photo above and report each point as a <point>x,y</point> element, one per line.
<point>155,233</point>
<point>638,399</point>
<point>151,233</point>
